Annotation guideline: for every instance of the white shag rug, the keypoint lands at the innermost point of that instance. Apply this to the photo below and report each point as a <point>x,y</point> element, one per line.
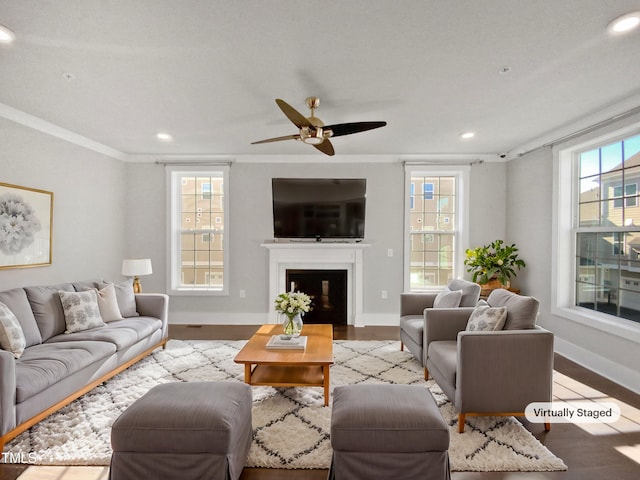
<point>291,425</point>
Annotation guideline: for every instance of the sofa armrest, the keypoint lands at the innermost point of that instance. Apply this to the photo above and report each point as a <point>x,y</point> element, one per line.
<point>154,305</point>
<point>7,392</point>
<point>415,303</point>
<point>503,371</point>
<point>444,323</point>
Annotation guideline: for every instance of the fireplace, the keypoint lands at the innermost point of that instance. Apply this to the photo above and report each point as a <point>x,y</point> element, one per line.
<point>328,292</point>
<point>348,257</point>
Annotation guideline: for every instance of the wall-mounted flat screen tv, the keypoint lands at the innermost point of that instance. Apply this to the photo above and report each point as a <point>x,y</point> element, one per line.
<point>319,208</point>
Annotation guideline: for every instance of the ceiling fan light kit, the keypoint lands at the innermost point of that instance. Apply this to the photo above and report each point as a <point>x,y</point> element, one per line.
<point>312,130</point>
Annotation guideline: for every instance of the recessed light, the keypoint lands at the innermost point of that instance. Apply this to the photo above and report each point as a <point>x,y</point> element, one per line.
<point>165,137</point>
<point>6,35</point>
<point>625,23</point>
<point>467,135</point>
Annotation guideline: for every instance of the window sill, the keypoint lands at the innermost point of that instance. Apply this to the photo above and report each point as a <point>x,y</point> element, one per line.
<point>186,292</point>
<point>619,327</point>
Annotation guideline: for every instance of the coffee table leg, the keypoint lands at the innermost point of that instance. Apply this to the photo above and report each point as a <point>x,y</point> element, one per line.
<point>247,373</point>
<point>325,381</point>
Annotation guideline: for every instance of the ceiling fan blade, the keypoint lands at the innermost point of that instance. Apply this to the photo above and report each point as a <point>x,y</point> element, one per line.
<point>340,129</point>
<point>326,147</point>
<point>277,139</point>
<point>292,114</point>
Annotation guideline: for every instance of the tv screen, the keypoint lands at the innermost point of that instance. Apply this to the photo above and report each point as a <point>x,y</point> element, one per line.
<point>320,208</point>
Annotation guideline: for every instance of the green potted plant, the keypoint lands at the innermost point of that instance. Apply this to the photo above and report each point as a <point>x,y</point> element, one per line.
<point>494,261</point>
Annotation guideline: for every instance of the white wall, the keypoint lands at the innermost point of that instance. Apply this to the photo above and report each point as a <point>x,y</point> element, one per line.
<point>251,224</point>
<point>529,224</point>
<point>89,205</point>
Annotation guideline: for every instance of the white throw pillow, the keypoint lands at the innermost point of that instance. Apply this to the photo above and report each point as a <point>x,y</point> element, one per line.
<point>487,319</point>
<point>81,311</point>
<point>108,303</point>
<point>448,299</point>
<point>126,297</point>
<point>11,335</point>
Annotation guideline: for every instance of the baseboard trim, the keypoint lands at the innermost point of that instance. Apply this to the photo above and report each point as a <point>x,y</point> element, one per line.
<point>615,372</point>
<point>222,318</point>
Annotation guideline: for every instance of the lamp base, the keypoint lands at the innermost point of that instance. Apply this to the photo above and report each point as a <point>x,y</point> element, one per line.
<point>137,286</point>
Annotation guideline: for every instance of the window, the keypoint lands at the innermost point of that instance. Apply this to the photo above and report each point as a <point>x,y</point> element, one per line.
<point>198,244</point>
<point>435,212</point>
<point>607,228</point>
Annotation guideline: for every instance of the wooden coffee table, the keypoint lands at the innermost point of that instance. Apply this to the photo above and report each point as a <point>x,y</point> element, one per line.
<point>289,368</point>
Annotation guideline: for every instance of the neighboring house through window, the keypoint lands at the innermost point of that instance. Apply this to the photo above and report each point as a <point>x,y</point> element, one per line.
<point>603,236</point>
<point>198,246</point>
<point>436,210</point>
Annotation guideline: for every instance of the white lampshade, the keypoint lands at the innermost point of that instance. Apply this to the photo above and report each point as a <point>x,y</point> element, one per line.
<point>135,267</point>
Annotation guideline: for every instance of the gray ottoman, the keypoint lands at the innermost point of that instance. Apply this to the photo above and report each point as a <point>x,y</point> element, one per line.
<point>184,431</point>
<point>387,432</point>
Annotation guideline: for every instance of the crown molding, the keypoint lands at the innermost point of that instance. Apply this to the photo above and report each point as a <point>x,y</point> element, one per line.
<point>22,118</point>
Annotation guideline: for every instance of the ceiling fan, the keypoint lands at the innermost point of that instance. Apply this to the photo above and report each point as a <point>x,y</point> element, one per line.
<point>313,131</point>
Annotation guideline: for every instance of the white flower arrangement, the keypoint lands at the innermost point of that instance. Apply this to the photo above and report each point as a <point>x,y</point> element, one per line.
<point>293,303</point>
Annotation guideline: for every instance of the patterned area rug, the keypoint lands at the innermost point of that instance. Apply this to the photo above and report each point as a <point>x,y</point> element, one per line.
<point>291,425</point>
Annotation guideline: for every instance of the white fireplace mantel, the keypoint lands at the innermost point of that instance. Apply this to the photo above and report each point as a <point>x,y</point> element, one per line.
<point>285,256</point>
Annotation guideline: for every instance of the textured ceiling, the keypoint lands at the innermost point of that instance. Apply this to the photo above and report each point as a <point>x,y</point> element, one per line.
<point>208,71</point>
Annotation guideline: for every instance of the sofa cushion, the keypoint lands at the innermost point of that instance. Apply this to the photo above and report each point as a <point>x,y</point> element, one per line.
<point>121,333</point>
<point>444,354</point>
<point>448,299</point>
<point>522,311</point>
<point>43,365</point>
<point>470,291</point>
<point>47,308</point>
<point>18,303</point>
<point>487,319</point>
<point>81,311</point>
<point>126,297</point>
<point>11,337</point>
<point>86,285</point>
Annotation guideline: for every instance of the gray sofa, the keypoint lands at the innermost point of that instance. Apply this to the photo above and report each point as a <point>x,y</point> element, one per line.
<point>57,367</point>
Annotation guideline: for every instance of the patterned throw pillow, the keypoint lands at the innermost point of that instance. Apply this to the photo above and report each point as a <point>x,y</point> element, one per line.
<point>448,299</point>
<point>81,311</point>
<point>487,319</point>
<point>11,335</point>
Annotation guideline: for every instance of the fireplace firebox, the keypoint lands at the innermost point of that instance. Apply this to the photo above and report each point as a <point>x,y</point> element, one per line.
<point>328,292</point>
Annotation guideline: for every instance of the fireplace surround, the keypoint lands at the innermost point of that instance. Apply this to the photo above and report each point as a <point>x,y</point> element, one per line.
<point>302,255</point>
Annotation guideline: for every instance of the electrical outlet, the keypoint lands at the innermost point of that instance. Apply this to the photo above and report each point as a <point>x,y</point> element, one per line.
<point>384,294</point>
<point>390,252</point>
<point>243,293</point>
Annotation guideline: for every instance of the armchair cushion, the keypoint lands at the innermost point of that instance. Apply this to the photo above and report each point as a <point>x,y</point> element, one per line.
<point>487,319</point>
<point>470,291</point>
<point>522,311</point>
<point>448,299</point>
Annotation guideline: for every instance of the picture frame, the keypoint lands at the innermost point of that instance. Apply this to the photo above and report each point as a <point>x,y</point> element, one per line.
<point>26,221</point>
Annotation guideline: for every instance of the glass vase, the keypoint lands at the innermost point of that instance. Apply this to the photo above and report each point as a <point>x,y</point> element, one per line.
<point>292,325</point>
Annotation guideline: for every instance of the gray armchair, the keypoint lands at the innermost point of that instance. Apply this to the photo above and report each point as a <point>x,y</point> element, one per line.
<point>491,372</point>
<point>412,315</point>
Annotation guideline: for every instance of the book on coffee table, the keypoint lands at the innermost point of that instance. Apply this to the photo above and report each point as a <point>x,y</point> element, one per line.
<point>277,342</point>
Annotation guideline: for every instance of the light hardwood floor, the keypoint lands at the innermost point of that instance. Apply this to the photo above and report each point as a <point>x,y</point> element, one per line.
<point>590,451</point>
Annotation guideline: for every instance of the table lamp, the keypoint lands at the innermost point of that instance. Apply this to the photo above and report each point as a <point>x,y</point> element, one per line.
<point>136,267</point>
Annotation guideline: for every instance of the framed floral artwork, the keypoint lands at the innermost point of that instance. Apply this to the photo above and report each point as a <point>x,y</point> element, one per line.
<point>26,218</point>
